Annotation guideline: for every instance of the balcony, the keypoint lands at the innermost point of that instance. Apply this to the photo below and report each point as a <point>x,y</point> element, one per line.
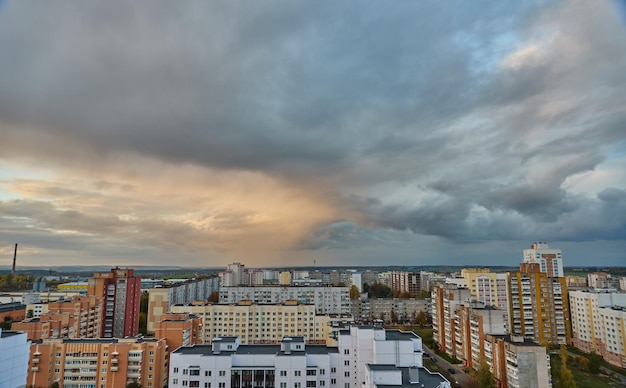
<point>34,369</point>
<point>114,369</point>
<point>35,361</point>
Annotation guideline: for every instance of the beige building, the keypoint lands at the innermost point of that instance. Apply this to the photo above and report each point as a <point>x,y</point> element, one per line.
<point>259,323</point>
<point>445,299</point>
<point>599,324</point>
<point>539,306</point>
<point>179,330</point>
<point>487,287</point>
<point>102,363</point>
<point>516,362</point>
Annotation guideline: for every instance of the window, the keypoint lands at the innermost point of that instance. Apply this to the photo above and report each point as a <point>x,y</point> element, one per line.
<point>346,373</point>
<point>222,385</point>
<point>311,372</point>
<point>174,381</point>
<point>194,383</point>
<point>175,370</point>
<point>207,373</point>
<point>283,373</point>
<point>297,373</point>
<point>184,383</point>
<point>333,370</point>
<point>104,370</point>
<point>194,372</point>
<point>296,385</point>
<point>346,351</point>
<point>311,384</point>
<point>322,371</point>
<point>207,385</point>
<point>346,385</point>
<point>222,373</point>
<point>185,371</point>
<point>322,383</point>
<point>283,385</point>
<point>333,381</point>
<point>346,363</point>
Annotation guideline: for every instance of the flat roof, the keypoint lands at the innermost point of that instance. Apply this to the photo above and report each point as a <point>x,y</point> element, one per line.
<point>426,378</point>
<point>207,350</point>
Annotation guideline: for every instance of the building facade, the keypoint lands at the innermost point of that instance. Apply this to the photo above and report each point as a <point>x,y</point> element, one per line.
<point>487,287</point>
<point>539,306</point>
<point>516,362</point>
<point>160,299</point>
<point>445,299</point>
<point>550,260</point>
<point>599,324</point>
<point>327,300</point>
<point>100,363</point>
<point>14,348</point>
<point>255,323</point>
<point>120,291</point>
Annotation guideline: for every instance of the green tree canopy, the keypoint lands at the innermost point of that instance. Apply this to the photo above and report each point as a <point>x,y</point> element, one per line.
<point>354,292</point>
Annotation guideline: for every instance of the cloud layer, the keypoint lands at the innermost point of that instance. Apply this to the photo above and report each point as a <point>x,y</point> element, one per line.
<point>277,132</point>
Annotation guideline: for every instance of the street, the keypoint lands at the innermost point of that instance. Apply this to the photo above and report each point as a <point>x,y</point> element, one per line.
<point>459,374</point>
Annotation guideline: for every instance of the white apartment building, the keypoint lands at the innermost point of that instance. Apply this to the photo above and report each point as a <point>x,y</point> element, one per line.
<point>365,357</point>
<point>550,260</point>
<point>599,324</point>
<point>14,352</point>
<point>256,323</point>
<point>327,300</point>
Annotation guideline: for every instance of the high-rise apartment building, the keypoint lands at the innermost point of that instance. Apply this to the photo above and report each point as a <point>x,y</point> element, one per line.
<point>487,287</point>
<point>517,362</point>
<point>403,281</point>
<point>599,324</point>
<point>365,357</point>
<point>120,291</point>
<point>445,300</point>
<point>539,306</point>
<point>101,363</point>
<point>550,260</point>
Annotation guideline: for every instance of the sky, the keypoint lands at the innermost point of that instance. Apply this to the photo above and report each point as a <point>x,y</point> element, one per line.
<point>294,133</point>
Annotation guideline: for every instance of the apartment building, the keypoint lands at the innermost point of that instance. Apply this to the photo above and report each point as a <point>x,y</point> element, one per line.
<point>179,330</point>
<point>472,322</point>
<point>14,348</point>
<point>255,323</point>
<point>120,291</point>
<point>599,324</point>
<point>101,363</point>
<point>365,357</point>
<point>160,299</point>
<point>539,305</point>
<point>388,309</point>
<point>602,280</point>
<point>517,362</point>
<point>550,260</point>
<point>79,317</point>
<point>488,287</point>
<point>403,281</point>
<point>327,300</point>
<point>445,299</point>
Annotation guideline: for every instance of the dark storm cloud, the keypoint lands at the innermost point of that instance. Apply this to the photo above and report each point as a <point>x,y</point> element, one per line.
<point>477,112</point>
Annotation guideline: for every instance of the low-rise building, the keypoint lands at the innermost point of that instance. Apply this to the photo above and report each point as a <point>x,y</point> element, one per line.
<point>365,357</point>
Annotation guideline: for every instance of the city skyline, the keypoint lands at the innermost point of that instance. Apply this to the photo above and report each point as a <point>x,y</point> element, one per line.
<point>287,134</point>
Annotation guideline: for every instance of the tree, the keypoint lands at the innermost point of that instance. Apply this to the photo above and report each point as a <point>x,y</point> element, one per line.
<point>424,294</point>
<point>354,292</point>
<point>143,323</point>
<point>484,376</point>
<point>421,318</point>
<point>379,290</point>
<point>55,385</point>
<point>595,361</point>
<point>394,316</point>
<point>566,378</point>
<point>214,297</point>
<point>133,385</point>
<point>7,323</point>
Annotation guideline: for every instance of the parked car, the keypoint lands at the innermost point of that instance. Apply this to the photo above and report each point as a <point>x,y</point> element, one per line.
<point>433,359</point>
<point>451,370</point>
<point>426,354</point>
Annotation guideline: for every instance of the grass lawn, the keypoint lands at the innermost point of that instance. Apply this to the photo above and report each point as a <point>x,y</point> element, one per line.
<point>582,378</point>
<point>426,335</point>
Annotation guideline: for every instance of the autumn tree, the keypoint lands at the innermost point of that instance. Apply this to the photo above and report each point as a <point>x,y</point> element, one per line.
<point>214,297</point>
<point>484,376</point>
<point>354,292</point>
<point>421,318</point>
<point>566,378</point>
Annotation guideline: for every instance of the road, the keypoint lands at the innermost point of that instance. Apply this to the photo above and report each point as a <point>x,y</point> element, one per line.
<point>460,375</point>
